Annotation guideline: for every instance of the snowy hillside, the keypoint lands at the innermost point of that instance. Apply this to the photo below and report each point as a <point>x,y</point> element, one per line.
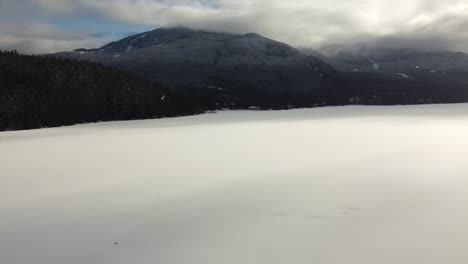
<point>354,185</point>
<point>228,69</point>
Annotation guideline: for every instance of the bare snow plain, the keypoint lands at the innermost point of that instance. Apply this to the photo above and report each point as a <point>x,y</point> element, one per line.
<point>354,185</point>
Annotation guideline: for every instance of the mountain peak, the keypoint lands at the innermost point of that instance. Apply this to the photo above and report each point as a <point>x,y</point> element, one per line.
<point>200,44</point>
<point>186,57</point>
<point>253,35</point>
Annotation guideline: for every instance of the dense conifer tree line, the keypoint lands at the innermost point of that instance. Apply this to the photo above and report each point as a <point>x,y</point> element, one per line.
<point>49,91</point>
<point>421,88</point>
<point>38,91</point>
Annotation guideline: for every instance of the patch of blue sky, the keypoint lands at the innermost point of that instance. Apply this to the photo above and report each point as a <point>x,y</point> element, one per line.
<point>99,27</point>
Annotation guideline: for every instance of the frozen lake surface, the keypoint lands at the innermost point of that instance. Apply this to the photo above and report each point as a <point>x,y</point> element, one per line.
<point>354,185</point>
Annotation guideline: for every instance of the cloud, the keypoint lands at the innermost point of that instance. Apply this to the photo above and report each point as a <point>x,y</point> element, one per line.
<point>45,38</point>
<point>25,28</point>
<point>308,23</point>
<point>57,6</point>
<point>33,37</point>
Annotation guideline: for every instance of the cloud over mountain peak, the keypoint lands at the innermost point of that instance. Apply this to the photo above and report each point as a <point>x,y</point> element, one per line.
<point>314,23</point>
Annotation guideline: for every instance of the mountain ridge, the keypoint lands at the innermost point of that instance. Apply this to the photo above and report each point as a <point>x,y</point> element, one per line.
<point>242,65</point>
<point>247,68</point>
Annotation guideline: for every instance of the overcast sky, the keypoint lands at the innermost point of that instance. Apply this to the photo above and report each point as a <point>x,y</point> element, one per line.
<point>39,26</point>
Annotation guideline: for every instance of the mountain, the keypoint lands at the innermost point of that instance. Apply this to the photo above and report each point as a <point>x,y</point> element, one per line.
<point>219,70</point>
<point>400,60</point>
<point>233,70</point>
<point>38,91</point>
<point>403,76</point>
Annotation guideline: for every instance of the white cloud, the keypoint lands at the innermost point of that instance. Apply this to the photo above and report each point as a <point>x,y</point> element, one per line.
<point>298,22</point>
<point>57,6</point>
<point>43,38</point>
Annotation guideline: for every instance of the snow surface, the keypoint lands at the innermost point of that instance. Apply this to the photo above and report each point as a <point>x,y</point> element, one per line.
<point>130,45</point>
<point>375,65</point>
<point>403,75</point>
<point>354,185</point>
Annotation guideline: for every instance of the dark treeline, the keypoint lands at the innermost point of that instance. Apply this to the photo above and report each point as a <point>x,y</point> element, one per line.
<point>421,88</point>
<point>38,91</point>
<point>41,91</point>
<point>267,87</point>
<point>50,91</point>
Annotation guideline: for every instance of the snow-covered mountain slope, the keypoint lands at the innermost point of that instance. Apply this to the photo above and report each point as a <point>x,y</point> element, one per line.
<point>197,46</point>
<point>399,76</point>
<point>357,185</point>
<point>401,60</point>
<point>243,66</point>
<point>249,69</point>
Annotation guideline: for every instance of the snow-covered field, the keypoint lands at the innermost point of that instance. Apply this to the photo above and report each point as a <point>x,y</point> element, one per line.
<point>354,185</point>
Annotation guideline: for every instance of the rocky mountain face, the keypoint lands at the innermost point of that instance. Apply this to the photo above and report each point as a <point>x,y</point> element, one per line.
<point>241,70</point>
